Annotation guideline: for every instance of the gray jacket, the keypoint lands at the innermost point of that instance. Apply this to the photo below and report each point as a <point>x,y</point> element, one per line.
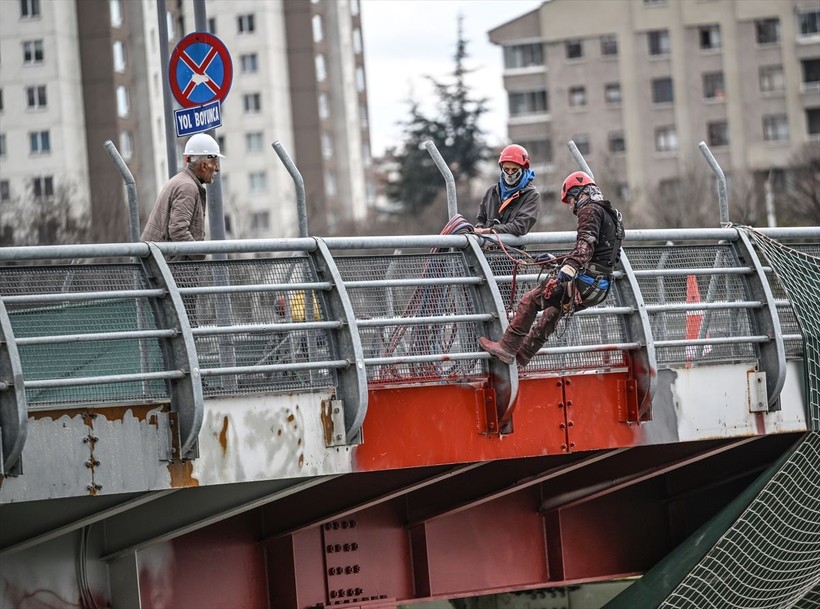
<point>517,218</point>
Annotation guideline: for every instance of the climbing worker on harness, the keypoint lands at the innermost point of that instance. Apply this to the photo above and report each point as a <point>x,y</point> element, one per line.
<point>511,205</point>
<point>583,281</point>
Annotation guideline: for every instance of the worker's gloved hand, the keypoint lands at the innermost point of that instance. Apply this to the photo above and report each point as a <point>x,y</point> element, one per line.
<point>567,273</point>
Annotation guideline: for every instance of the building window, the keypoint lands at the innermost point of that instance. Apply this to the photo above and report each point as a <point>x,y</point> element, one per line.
<point>658,42</point>
<point>612,93</point>
<point>327,146</point>
<point>363,116</point>
<point>771,79</point>
<point>767,31</point>
<point>324,106</point>
<point>523,56</point>
<point>220,139</point>
<point>574,49</point>
<point>654,2</point>
<point>360,84</point>
<point>709,37</point>
<point>666,139</point>
<point>5,191</point>
<point>115,7</point>
<point>248,63</point>
<point>318,32</point>
<point>662,91</point>
<point>357,41</point>
<point>29,8</point>
<point>2,144</point>
<point>321,72</point>
<point>775,128</point>
<point>577,97</point>
<point>713,85</point>
<point>540,150</point>
<point>354,7</point>
<point>260,221</point>
<point>254,142</point>
<point>808,23</point>
<point>527,102</point>
<point>42,187</point>
<point>245,24</point>
<point>717,133</point>
<point>582,142</point>
<point>252,103</point>
<point>33,51</point>
<point>813,120</point>
<point>123,103</point>
<point>258,181</point>
<point>36,97</point>
<point>330,184</point>
<point>39,142</point>
<point>617,143</point>
<point>126,145</point>
<point>119,56</point>
<point>609,44</point>
<point>212,25</point>
<point>811,71</point>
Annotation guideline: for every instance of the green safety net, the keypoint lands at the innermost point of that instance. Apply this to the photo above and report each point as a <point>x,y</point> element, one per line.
<point>799,274</point>
<point>763,550</point>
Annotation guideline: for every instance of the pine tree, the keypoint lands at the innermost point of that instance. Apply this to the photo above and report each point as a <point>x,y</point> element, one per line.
<point>455,132</point>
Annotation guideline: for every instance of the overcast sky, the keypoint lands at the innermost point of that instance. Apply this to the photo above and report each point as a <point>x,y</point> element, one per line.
<point>406,40</point>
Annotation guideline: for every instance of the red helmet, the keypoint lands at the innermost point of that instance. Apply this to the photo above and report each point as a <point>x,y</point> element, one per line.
<point>516,154</point>
<point>579,178</point>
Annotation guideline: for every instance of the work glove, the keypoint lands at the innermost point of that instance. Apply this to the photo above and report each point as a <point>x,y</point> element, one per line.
<point>567,273</point>
<point>545,257</point>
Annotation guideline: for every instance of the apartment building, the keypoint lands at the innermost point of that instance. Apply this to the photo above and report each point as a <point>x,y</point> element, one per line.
<point>638,84</point>
<point>75,73</point>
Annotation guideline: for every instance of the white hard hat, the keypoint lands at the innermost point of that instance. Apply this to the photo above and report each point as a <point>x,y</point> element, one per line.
<point>202,144</point>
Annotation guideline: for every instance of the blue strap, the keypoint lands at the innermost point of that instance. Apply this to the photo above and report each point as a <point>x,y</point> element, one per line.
<point>601,283</point>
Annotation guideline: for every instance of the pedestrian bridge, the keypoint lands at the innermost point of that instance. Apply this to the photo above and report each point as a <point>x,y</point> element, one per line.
<point>309,422</point>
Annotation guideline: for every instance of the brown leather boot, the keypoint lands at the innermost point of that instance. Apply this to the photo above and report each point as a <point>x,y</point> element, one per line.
<point>497,349</point>
<point>544,326</point>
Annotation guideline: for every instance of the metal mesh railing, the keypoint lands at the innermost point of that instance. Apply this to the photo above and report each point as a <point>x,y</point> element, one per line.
<point>245,315</point>
<point>417,322</point>
<point>569,348</point>
<point>87,301</point>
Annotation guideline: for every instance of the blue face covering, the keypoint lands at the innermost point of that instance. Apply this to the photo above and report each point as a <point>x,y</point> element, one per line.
<point>508,191</point>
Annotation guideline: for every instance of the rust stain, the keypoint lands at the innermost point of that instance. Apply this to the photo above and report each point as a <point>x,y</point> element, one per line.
<point>223,436</point>
<point>109,413</point>
<point>291,418</point>
<point>181,474</point>
<point>279,432</point>
<point>301,460</point>
<point>327,421</point>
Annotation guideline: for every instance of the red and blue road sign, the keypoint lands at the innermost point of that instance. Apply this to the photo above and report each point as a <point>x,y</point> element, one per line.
<point>200,70</point>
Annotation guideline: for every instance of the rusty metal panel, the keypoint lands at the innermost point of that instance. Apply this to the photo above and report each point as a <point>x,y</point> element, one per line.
<point>438,424</point>
<point>492,545</point>
<point>617,534</point>
<point>212,568</point>
<point>593,417</point>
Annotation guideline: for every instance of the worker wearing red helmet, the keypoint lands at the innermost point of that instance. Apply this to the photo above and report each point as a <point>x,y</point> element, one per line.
<point>511,205</point>
<point>583,281</point>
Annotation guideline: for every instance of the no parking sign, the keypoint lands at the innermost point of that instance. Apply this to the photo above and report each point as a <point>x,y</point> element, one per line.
<point>200,70</point>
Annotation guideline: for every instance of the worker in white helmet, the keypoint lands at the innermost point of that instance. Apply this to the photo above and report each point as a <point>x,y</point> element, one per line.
<point>179,213</point>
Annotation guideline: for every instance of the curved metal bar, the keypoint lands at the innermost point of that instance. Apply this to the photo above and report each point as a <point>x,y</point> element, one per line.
<point>773,353</point>
<point>504,376</point>
<point>723,197</point>
<point>299,183</point>
<point>352,389</point>
<point>579,158</point>
<point>644,361</point>
<point>130,188</point>
<point>13,405</point>
<point>179,353</point>
<point>449,180</point>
